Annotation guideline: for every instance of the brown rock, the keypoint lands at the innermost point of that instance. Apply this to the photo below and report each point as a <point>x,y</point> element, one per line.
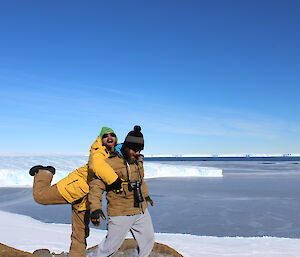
<point>6,251</point>
<point>42,253</point>
<point>159,250</point>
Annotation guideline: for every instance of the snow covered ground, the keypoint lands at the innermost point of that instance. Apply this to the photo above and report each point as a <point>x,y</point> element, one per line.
<point>28,234</point>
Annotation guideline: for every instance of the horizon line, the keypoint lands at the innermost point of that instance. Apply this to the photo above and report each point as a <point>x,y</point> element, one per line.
<point>247,155</point>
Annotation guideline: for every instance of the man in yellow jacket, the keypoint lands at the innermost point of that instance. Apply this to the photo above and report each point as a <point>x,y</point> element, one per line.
<point>74,188</point>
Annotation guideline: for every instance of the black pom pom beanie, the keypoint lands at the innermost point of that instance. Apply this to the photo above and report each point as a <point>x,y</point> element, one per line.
<point>135,139</point>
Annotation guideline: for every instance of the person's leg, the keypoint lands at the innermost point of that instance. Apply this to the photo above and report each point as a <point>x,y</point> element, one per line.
<point>143,232</point>
<point>80,231</point>
<point>118,227</point>
<point>42,190</point>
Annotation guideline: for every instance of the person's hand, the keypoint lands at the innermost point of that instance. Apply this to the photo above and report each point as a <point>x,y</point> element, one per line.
<point>35,169</point>
<point>116,186</point>
<point>95,217</point>
<point>149,200</point>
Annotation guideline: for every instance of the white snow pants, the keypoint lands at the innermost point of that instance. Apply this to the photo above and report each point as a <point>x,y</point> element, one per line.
<point>141,228</point>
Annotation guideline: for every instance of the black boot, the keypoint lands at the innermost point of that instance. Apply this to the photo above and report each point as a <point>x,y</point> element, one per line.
<point>35,169</point>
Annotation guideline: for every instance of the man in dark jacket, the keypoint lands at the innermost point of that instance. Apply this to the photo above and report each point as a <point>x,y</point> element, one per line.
<point>127,211</point>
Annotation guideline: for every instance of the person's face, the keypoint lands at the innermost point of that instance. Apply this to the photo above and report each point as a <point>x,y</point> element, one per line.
<point>131,155</point>
<point>109,140</point>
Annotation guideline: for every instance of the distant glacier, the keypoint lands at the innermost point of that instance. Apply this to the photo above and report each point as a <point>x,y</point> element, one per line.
<point>14,168</point>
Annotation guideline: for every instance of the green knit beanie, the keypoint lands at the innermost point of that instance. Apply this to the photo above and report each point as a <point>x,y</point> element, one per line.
<point>105,130</point>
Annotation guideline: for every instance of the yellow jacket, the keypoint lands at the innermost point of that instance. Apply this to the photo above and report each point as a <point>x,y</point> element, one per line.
<point>74,187</point>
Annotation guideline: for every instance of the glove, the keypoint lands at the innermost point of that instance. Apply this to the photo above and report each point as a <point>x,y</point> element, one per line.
<point>95,217</point>
<point>118,149</point>
<point>149,200</point>
<point>35,169</point>
<point>116,186</point>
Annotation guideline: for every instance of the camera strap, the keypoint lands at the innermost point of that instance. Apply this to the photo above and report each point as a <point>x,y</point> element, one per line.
<point>139,173</point>
<point>127,170</point>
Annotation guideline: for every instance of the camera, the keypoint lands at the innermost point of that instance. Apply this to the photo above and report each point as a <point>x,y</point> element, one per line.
<point>136,188</point>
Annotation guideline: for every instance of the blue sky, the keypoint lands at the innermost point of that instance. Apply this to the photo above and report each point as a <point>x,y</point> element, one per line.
<point>200,77</point>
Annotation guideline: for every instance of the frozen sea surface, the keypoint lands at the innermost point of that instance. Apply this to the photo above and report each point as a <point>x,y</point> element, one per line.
<point>251,199</point>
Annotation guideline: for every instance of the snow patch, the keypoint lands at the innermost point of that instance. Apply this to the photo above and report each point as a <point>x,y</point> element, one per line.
<point>28,234</point>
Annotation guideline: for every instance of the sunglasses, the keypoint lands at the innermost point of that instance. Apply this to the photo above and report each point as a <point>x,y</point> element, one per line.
<point>109,134</point>
<point>136,149</point>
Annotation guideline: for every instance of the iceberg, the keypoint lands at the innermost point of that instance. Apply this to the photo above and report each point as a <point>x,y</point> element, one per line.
<point>14,169</point>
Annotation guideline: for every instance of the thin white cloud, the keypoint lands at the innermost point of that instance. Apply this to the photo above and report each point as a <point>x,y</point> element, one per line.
<point>77,100</point>
<point>216,124</point>
<point>54,86</point>
<point>126,92</point>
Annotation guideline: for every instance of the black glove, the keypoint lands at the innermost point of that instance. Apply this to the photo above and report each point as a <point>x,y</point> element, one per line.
<point>95,217</point>
<point>35,169</point>
<point>149,200</point>
<point>116,186</point>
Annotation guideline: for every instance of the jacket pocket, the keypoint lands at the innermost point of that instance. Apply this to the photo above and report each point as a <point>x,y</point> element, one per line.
<point>77,189</point>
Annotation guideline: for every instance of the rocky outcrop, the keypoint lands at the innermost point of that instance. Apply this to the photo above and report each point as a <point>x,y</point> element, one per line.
<point>6,251</point>
<point>159,250</point>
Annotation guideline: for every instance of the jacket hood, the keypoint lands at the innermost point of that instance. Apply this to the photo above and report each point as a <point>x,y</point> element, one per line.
<point>96,145</point>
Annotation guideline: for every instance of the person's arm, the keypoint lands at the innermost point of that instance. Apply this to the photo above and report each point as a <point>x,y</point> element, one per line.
<point>97,187</point>
<point>97,164</point>
<point>145,189</point>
